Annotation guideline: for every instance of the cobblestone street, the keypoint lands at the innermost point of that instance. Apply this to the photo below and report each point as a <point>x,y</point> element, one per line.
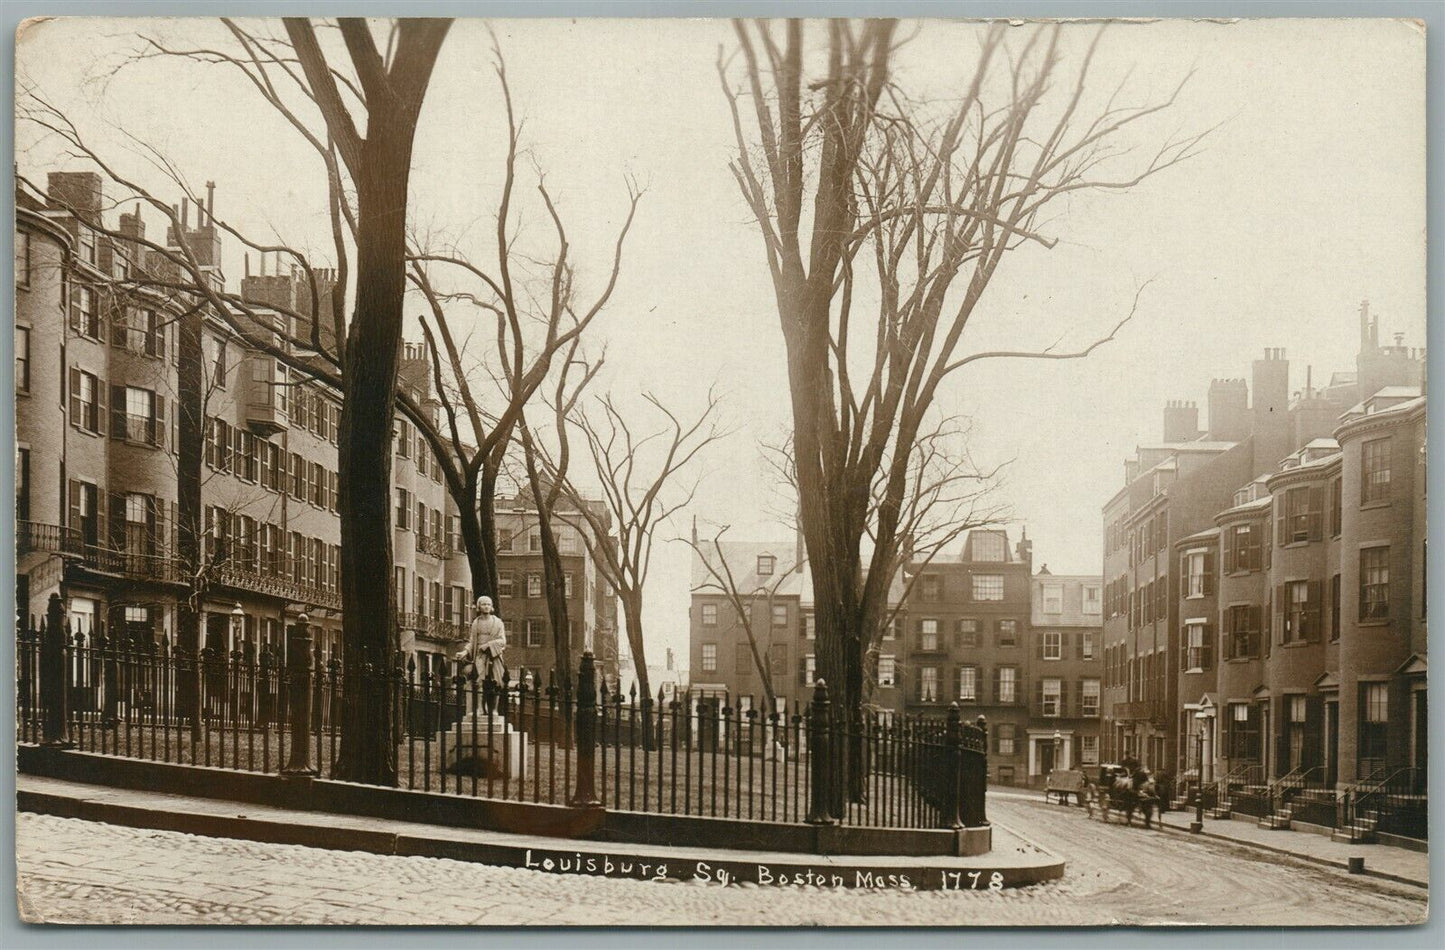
<point>73,871</point>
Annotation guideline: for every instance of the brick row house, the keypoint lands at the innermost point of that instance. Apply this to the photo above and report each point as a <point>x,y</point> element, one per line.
<point>961,632</point>
<point>1189,544</point>
<point>98,407</point>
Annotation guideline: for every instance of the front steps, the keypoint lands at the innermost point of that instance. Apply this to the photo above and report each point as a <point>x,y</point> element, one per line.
<point>1279,821</point>
<point>1361,832</point>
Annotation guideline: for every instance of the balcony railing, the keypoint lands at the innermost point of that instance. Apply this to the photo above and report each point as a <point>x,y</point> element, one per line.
<point>1140,711</point>
<point>433,547</point>
<point>431,627</point>
<point>283,587</point>
<point>155,565</point>
<point>51,538</point>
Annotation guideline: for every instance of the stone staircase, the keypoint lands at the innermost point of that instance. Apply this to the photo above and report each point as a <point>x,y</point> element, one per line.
<point>1361,832</point>
<point>1279,821</point>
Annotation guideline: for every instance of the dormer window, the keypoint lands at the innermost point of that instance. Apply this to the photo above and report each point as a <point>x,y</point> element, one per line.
<point>766,563</point>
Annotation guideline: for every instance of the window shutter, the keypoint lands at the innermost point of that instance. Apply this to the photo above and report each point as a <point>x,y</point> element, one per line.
<point>1315,519</point>
<point>76,410</point>
<point>100,410</point>
<point>1280,724</point>
<point>996,733</point>
<point>1079,646</point>
<point>918,682</point>
<point>75,309</point>
<point>1039,646</point>
<point>1226,542</point>
<point>101,516</point>
<point>1314,710</point>
<point>1315,593</point>
<point>1038,697</point>
<point>117,520</point>
<point>994,696</point>
<point>1266,625</point>
<point>1281,612</point>
<point>1266,549</point>
<point>158,423</point>
<point>1209,572</point>
<point>1279,521</point>
<point>73,499</point>
<point>175,528</point>
<point>1255,561</point>
<point>118,421</point>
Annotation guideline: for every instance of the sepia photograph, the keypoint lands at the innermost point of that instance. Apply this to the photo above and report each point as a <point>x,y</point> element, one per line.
<point>708,472</point>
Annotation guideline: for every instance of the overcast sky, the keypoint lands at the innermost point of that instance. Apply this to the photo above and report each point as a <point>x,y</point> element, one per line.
<point>1308,198</point>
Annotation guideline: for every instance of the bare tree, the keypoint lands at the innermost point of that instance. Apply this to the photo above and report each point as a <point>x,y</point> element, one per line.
<point>638,475</point>
<point>534,333</point>
<point>933,195</point>
<point>381,94</point>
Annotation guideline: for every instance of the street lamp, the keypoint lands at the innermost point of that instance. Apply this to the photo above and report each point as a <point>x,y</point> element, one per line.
<point>1197,825</point>
<point>1058,748</point>
<point>238,624</point>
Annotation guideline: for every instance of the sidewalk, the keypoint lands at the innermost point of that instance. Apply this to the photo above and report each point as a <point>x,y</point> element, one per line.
<point>1014,860</point>
<point>1386,861</point>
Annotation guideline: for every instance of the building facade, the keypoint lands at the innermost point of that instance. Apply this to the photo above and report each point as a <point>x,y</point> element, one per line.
<point>98,411</point>
<point>1187,551</point>
<point>1068,664</point>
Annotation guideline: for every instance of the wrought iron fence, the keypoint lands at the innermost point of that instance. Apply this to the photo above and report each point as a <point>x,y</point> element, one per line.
<point>277,709</point>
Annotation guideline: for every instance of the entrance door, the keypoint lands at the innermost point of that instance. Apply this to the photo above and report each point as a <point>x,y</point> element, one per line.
<point>1419,757</point>
<point>1046,756</point>
<point>1332,743</point>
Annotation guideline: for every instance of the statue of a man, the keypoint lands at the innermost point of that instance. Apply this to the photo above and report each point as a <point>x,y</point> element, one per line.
<point>485,645</point>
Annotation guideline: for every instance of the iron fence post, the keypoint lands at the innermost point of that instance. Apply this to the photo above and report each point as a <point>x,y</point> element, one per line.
<point>298,663</point>
<point>820,766</point>
<point>955,778</point>
<point>52,675</point>
<point>975,794</point>
<point>585,795</point>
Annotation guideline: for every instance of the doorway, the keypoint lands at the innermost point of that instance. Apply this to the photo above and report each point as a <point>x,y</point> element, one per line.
<point>1332,743</point>
<point>1046,756</point>
<point>1419,745</point>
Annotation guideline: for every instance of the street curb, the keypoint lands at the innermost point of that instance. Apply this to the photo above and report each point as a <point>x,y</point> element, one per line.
<point>1398,879</point>
<point>561,856</point>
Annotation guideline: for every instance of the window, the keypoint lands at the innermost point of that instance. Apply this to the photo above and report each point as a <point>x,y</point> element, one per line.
<point>84,400</point>
<point>1337,506</point>
<point>403,509</point>
<point>504,539</point>
<point>1300,510</point>
<point>1375,584</point>
<point>1007,691</point>
<point>930,589</point>
<point>709,615</point>
<point>1004,741</point>
<point>22,259</point>
<point>1086,645</point>
<point>1335,607</point>
<point>928,684</point>
<point>709,657</point>
<point>1241,631</point>
<point>1196,655</point>
<point>810,628</point>
<point>536,629</point>
<point>87,244</point>
<point>987,546</point>
<point>988,587</point>
<point>220,375</point>
<point>567,585</point>
<point>743,662</point>
<point>138,421</point>
<point>1093,602</point>
<point>1089,705</point>
<point>1053,645</point>
<point>778,659</point>
<point>1295,707</point>
<point>890,629</point>
<point>1053,599</point>
<point>1051,688</point>
<point>403,438</point>
<point>1301,613</point>
<point>85,321</point>
<point>505,584</point>
<point>1195,574</point>
<point>967,632</point>
<point>1375,471</point>
<point>22,358</point>
<point>1088,750</point>
<point>928,634</point>
<point>534,585</point>
<point>766,563</point>
<point>1006,633</point>
<point>1374,726</point>
<point>780,615</point>
<point>534,541</point>
<point>567,542</point>
<point>810,669</point>
<point>968,684</point>
<point>22,484</point>
<point>1243,732</point>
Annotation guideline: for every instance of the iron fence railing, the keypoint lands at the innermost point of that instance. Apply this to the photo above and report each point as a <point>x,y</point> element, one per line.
<point>277,708</point>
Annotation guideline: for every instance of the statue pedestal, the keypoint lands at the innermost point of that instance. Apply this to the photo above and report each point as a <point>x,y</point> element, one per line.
<point>486,746</point>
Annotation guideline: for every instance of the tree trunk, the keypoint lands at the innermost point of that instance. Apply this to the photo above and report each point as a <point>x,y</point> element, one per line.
<point>364,458</point>
<point>190,426</point>
<point>632,616</point>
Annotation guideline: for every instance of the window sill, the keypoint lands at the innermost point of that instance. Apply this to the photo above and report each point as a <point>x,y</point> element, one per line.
<point>1194,669</point>
<point>1379,622</point>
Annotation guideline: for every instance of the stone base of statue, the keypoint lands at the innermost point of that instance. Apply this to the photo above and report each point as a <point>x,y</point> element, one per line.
<point>486,746</point>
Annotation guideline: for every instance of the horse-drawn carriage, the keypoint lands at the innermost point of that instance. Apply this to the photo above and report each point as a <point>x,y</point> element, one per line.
<point>1127,787</point>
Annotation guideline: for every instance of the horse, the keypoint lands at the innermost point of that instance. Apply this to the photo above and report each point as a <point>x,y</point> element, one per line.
<point>1128,792</point>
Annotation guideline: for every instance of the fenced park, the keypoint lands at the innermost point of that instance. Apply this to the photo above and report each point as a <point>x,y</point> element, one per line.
<point>583,744</point>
